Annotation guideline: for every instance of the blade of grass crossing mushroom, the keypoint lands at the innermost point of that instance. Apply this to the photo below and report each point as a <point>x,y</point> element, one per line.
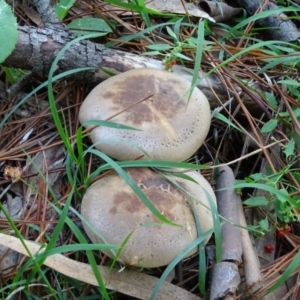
<point>109,124</point>
<point>201,254</point>
<point>217,226</point>
<point>83,220</point>
<point>52,243</point>
<point>216,230</point>
<point>180,175</point>
<point>121,249</point>
<point>162,165</point>
<point>176,260</point>
<point>79,138</point>
<point>55,236</point>
<point>92,262</point>
<point>218,243</point>
<point>159,164</point>
<point>131,283</point>
<point>182,189</point>
<point>133,185</point>
<point>82,240</point>
<point>57,231</point>
<point>108,166</point>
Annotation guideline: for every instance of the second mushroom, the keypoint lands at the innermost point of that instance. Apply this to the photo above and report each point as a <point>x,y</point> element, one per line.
<point>173,121</point>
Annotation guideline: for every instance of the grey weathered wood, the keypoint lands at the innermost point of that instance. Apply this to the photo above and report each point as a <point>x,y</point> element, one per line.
<point>227,207</point>
<point>47,14</point>
<point>281,27</point>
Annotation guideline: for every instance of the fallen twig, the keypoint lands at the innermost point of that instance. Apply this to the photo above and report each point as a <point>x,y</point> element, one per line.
<point>226,277</point>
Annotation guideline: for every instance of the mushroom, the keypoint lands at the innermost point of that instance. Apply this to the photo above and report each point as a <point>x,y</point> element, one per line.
<point>114,211</point>
<point>173,122</point>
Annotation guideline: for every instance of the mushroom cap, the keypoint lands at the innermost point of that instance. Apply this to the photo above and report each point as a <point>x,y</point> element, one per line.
<point>114,211</point>
<point>173,125</point>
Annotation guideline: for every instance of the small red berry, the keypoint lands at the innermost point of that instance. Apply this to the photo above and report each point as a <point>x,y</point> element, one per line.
<point>269,248</point>
<point>288,229</point>
<point>281,232</point>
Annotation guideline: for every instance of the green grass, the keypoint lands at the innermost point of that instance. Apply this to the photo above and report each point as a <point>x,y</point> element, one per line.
<point>78,159</point>
<point>190,51</point>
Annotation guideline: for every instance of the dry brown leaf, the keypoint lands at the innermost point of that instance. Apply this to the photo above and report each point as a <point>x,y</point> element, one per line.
<point>9,258</point>
<point>43,161</point>
<point>218,10</point>
<point>31,14</point>
<point>166,6</point>
<point>175,6</point>
<point>128,282</point>
<point>13,173</point>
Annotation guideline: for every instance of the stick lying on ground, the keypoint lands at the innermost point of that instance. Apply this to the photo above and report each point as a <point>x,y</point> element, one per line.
<point>226,277</point>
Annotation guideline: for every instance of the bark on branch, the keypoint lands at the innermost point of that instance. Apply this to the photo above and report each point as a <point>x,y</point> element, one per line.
<point>37,48</point>
<point>280,26</point>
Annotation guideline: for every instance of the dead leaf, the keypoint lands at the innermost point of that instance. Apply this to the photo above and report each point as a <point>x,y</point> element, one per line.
<point>12,206</point>
<point>9,258</point>
<point>128,282</point>
<point>43,162</point>
<point>218,10</point>
<point>31,14</point>
<point>13,173</point>
<point>175,6</point>
<point>165,6</point>
<point>41,168</point>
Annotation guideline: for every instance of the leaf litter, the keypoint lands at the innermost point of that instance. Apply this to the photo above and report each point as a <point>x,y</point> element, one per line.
<point>37,160</point>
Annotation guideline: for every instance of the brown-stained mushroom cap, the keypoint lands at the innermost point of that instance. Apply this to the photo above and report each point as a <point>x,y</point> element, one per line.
<point>173,124</point>
<point>114,211</point>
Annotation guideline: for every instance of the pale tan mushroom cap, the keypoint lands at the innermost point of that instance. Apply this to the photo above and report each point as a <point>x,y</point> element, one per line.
<point>115,211</point>
<point>171,129</point>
